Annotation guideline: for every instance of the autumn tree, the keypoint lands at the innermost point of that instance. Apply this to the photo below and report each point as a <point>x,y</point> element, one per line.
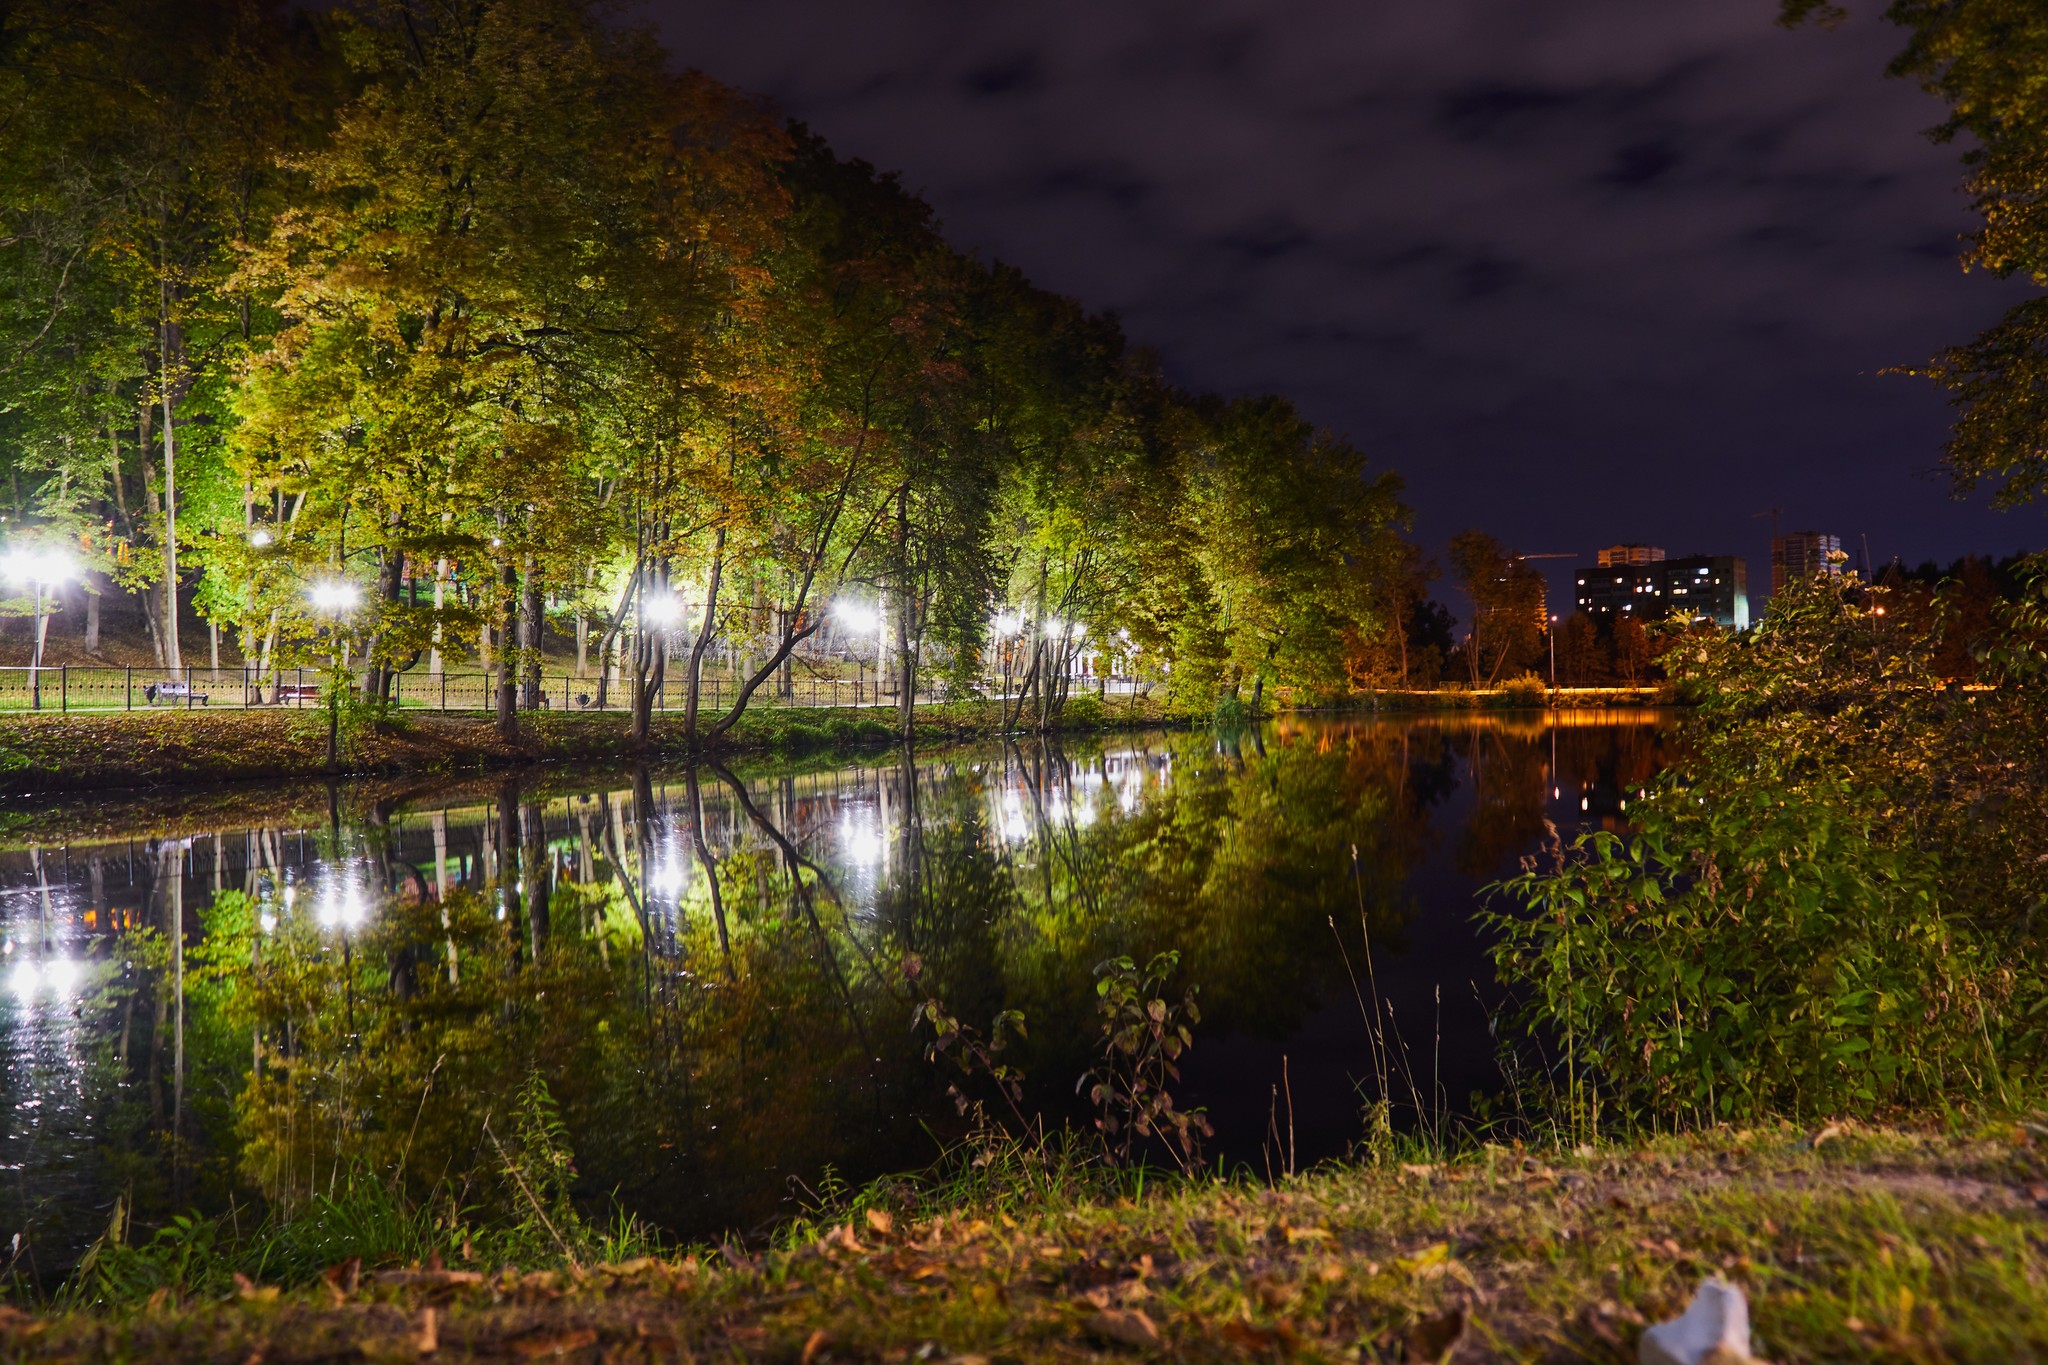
<point>1507,606</point>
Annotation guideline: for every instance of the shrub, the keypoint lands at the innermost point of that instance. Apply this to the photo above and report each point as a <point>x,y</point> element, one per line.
<point>1231,713</point>
<point>873,731</point>
<point>1525,691</point>
<point>842,732</point>
<point>1082,713</point>
<point>1823,908</point>
<point>797,738</point>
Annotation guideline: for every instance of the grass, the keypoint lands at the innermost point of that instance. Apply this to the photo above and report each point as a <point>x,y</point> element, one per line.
<point>1872,1244</point>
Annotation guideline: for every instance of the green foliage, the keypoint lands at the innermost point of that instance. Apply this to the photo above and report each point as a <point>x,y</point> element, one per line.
<point>1526,691</point>
<point>1143,1038</point>
<point>1082,712</point>
<point>1824,908</point>
<point>1231,713</point>
<point>1983,58</point>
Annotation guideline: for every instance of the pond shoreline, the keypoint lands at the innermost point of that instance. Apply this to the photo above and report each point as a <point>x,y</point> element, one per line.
<point>61,755</point>
<point>55,756</point>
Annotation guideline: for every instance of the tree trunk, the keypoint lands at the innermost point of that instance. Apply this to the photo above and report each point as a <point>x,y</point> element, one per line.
<point>173,659</point>
<point>92,619</point>
<point>704,633</point>
<point>508,657</point>
<point>440,589</point>
<point>906,605</point>
<point>529,638</point>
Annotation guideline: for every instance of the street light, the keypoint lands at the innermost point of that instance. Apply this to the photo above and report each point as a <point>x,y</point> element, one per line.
<point>861,620</point>
<point>333,597</point>
<point>45,569</point>
<point>259,538</point>
<point>661,610</point>
<point>1553,651</point>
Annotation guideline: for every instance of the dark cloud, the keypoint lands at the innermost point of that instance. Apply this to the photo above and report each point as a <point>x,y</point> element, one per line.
<point>1582,271</point>
<point>1015,74</point>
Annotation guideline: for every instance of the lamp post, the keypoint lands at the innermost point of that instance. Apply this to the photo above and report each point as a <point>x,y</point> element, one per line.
<point>1553,652</point>
<point>43,569</point>
<point>332,599</point>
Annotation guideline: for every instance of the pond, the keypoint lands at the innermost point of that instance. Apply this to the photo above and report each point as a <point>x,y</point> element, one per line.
<point>234,997</point>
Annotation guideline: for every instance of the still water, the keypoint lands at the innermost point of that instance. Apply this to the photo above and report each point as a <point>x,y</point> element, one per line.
<point>235,996</point>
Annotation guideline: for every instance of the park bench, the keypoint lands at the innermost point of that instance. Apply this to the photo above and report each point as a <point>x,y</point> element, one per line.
<point>288,693</point>
<point>172,691</point>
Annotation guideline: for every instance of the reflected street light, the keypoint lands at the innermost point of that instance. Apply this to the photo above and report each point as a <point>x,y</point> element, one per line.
<point>44,569</point>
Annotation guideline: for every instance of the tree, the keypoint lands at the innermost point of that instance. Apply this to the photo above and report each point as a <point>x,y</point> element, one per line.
<point>1632,648</point>
<point>1581,658</point>
<point>1507,607</point>
<point>146,140</point>
<point>1984,59</point>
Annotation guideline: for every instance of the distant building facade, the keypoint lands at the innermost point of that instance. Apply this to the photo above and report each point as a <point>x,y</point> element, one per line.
<point>1630,555</point>
<point>1800,555</point>
<point>1703,587</point>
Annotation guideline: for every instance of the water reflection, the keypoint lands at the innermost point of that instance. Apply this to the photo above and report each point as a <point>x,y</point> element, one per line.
<point>714,972</point>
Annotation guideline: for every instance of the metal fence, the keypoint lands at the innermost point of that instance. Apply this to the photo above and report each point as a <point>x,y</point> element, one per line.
<point>65,688</point>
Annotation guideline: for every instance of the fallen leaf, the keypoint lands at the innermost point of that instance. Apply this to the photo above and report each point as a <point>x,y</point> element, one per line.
<point>1827,1132</point>
<point>553,1343</point>
<point>881,1221</point>
<point>1252,1337</point>
<point>1420,1170</point>
<point>1435,1338</point>
<point>1426,1261</point>
<point>343,1277</point>
<point>815,1346</point>
<point>250,1292</point>
<point>1129,1326</point>
<point>428,1340</point>
<point>14,1322</point>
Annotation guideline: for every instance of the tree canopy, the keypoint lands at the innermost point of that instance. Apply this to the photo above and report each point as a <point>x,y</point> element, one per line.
<point>480,318</point>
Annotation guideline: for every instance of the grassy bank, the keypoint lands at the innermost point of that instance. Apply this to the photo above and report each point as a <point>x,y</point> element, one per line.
<point>1868,1245</point>
<point>47,754</point>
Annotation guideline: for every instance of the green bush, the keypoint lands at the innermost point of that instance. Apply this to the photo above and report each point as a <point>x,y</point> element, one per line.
<point>1830,906</point>
<point>842,732</point>
<point>797,738</point>
<point>1082,712</point>
<point>873,731</point>
<point>1524,692</point>
<point>1231,713</point>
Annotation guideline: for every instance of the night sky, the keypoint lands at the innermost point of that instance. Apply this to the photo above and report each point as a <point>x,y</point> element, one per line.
<point>1579,270</point>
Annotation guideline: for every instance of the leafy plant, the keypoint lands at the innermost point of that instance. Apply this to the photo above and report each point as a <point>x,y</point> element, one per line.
<point>1143,1039</point>
<point>1825,907</point>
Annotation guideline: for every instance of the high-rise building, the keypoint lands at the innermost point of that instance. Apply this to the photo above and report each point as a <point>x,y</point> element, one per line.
<point>1800,555</point>
<point>1708,588</point>
<point>1703,587</point>
<point>1630,554</point>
